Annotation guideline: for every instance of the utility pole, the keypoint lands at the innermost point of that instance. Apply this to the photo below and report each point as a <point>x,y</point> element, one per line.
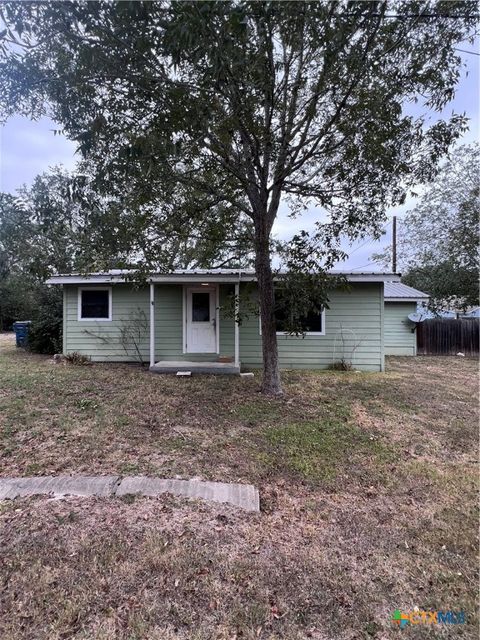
<point>394,244</point>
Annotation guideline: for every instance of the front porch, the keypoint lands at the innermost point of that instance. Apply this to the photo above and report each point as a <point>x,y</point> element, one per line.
<point>190,331</point>
<point>212,368</point>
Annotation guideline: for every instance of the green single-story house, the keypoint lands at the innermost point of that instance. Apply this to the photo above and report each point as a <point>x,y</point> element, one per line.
<point>401,302</point>
<point>183,321</point>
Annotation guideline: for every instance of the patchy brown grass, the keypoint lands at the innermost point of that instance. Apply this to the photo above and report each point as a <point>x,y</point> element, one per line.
<point>368,486</point>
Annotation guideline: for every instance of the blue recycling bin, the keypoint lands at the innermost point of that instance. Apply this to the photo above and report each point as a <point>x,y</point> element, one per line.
<point>21,332</point>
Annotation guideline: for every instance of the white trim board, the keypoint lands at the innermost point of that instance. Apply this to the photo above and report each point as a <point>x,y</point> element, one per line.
<point>152,325</point>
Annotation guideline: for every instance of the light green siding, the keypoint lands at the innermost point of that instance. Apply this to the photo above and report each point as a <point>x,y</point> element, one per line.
<point>102,340</point>
<point>353,329</point>
<point>400,340</point>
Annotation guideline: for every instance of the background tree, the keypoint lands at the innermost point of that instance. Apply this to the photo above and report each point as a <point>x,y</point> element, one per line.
<point>438,240</point>
<point>37,237</point>
<point>41,233</point>
<point>40,226</point>
<point>246,103</point>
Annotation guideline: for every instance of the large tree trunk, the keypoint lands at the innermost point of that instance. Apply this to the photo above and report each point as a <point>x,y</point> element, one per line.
<point>271,375</point>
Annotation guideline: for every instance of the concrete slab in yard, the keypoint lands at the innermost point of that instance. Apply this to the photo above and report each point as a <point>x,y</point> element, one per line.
<point>240,495</point>
<point>58,486</point>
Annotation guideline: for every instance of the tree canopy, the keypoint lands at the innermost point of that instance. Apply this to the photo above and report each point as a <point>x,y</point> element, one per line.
<point>245,103</point>
<point>437,245</point>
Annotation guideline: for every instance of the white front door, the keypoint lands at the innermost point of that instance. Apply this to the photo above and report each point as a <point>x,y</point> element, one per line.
<point>201,329</point>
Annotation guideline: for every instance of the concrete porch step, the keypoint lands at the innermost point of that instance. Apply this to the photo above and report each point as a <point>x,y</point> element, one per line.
<point>212,368</point>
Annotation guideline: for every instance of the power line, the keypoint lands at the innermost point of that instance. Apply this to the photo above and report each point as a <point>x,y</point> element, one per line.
<point>369,240</point>
<point>472,53</point>
<point>363,266</point>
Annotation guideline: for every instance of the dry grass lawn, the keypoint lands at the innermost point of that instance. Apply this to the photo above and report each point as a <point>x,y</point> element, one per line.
<point>369,503</point>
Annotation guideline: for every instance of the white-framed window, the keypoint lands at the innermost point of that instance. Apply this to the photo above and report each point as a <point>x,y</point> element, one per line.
<point>313,324</point>
<point>95,303</point>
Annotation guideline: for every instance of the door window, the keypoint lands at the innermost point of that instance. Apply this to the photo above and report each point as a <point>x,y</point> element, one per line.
<point>200,306</point>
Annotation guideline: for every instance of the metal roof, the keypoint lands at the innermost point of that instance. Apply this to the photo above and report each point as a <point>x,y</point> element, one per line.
<point>399,292</point>
<point>194,275</point>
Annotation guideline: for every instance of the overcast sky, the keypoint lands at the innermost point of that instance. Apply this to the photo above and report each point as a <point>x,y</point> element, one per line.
<point>28,148</point>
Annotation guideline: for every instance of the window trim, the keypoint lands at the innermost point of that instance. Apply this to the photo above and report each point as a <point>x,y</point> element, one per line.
<point>292,335</point>
<point>79,304</point>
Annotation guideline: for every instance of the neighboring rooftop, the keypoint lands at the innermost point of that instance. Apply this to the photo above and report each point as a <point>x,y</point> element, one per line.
<point>206,275</point>
<point>399,292</point>
<point>473,313</point>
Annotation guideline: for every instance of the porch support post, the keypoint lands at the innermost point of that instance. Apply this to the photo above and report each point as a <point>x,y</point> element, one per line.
<point>237,326</point>
<point>152,324</point>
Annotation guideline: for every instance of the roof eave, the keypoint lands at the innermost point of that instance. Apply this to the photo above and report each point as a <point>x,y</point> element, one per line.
<point>186,278</point>
<point>415,299</point>
<point>157,279</point>
<point>202,275</point>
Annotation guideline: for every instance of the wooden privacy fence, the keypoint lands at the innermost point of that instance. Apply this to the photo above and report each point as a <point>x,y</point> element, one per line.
<point>448,336</point>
